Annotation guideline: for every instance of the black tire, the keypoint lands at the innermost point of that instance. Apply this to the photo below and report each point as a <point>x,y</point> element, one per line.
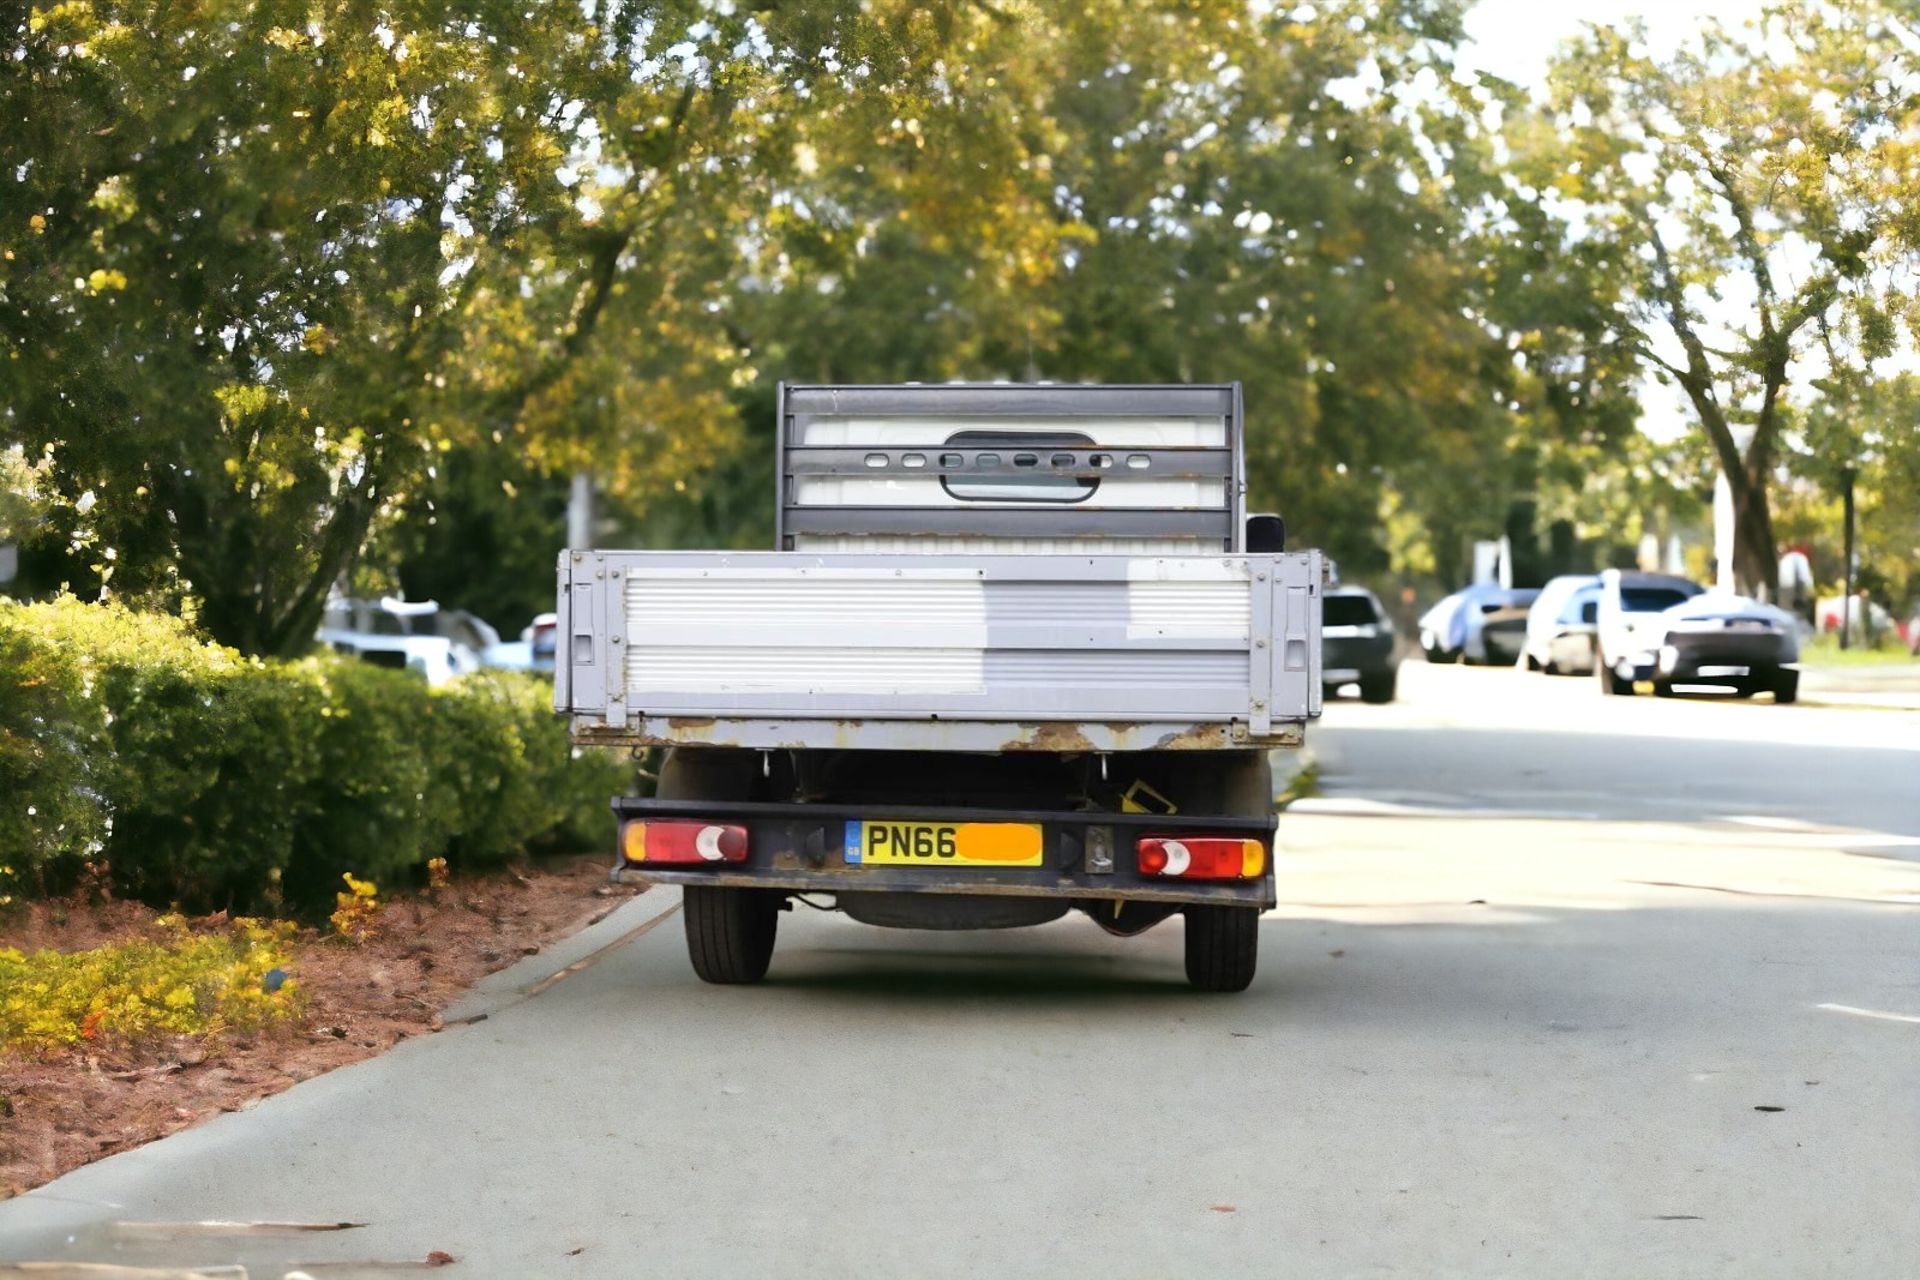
<point>1443,656</point>
<point>1786,688</point>
<point>1663,689</point>
<point>1223,947</point>
<point>1611,684</point>
<point>1379,689</point>
<point>730,932</point>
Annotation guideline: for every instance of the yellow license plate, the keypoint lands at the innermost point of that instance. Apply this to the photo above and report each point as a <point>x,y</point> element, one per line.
<point>944,844</point>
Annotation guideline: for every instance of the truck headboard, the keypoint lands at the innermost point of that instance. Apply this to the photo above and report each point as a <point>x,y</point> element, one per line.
<point>998,469</point>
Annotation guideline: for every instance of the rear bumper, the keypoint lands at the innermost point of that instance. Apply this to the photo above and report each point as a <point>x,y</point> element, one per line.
<point>1087,856</point>
<point>1709,657</point>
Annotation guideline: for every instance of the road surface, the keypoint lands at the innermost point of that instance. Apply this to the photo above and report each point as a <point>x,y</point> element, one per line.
<point>1565,986</point>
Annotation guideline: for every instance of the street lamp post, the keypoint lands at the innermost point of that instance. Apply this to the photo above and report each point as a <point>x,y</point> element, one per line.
<point>1846,594</point>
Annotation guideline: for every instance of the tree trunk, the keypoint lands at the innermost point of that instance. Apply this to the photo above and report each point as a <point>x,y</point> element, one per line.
<point>1754,557</point>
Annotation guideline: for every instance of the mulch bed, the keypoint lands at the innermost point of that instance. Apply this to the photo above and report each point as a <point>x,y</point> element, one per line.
<point>59,1113</point>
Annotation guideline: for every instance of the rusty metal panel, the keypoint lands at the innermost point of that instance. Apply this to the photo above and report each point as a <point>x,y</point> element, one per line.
<point>1062,736</point>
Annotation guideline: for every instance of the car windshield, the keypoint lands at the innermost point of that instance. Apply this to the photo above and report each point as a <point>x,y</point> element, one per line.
<point>1650,599</point>
<point>1348,611</point>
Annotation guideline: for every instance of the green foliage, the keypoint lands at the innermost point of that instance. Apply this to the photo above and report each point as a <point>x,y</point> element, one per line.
<point>1754,198</point>
<point>282,282</point>
<point>209,780</point>
<point>180,983</point>
<point>1868,427</point>
<point>265,265</point>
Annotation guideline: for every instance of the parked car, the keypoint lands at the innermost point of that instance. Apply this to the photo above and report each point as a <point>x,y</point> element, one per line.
<point>419,636</point>
<point>1730,642</point>
<point>1357,644</point>
<point>1552,610</point>
<point>542,638</point>
<point>1451,630</point>
<point>1629,628</point>
<point>1570,643</point>
<point>1501,637</point>
<point>533,651</point>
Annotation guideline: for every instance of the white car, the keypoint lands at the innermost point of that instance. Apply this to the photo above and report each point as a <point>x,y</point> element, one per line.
<point>1629,627</point>
<point>1555,618</point>
<point>419,636</point>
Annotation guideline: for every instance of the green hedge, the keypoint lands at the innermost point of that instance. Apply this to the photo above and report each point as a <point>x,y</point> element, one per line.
<point>208,780</point>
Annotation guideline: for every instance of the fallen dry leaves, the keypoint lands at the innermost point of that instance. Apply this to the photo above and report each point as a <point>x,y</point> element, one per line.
<point>62,1112</point>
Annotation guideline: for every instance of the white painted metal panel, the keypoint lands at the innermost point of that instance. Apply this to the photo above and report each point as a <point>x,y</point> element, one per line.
<point>1114,433</point>
<point>804,630</point>
<point>938,544</point>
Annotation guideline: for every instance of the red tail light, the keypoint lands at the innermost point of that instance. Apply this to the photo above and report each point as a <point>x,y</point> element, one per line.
<point>1202,857</point>
<point>687,843</point>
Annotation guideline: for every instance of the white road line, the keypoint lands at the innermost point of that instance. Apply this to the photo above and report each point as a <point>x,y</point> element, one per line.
<point>1868,1013</point>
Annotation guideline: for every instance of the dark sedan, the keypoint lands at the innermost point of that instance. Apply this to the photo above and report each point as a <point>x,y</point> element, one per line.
<point>1357,644</point>
<point>1732,642</point>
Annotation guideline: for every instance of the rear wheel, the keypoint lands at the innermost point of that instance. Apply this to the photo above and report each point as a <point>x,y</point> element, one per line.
<point>1378,689</point>
<point>1223,947</point>
<point>1786,687</point>
<point>730,931</point>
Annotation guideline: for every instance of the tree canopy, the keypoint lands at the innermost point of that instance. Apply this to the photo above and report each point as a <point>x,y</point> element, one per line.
<point>291,294</point>
<point>1758,198</point>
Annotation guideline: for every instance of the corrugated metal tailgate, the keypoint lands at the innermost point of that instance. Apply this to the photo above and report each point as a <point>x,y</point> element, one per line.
<point>1171,640</point>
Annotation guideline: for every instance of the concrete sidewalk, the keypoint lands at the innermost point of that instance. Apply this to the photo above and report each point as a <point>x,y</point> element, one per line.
<point>1894,684</point>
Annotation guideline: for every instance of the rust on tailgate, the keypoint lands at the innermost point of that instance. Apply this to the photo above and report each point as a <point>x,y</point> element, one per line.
<point>1058,737</point>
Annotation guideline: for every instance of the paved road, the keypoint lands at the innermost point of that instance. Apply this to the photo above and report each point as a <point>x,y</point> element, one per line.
<point>1567,987</point>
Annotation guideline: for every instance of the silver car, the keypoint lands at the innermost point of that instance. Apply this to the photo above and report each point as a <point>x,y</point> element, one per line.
<point>1560,625</point>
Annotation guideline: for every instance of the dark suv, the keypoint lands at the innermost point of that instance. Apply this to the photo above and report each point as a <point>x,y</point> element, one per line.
<point>1357,644</point>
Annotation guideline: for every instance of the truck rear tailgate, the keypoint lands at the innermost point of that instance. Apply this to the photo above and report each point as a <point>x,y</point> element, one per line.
<point>960,652</point>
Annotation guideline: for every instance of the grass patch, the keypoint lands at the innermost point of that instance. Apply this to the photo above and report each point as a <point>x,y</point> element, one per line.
<point>1304,783</point>
<point>178,982</point>
<point>1825,651</point>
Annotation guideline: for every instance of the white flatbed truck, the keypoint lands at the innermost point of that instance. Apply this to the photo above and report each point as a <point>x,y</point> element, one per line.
<point>1019,649</point>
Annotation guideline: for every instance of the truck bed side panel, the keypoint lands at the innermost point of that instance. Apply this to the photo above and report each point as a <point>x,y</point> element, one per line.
<point>1182,641</point>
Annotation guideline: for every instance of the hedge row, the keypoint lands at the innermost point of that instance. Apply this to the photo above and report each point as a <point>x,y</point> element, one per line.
<point>206,780</point>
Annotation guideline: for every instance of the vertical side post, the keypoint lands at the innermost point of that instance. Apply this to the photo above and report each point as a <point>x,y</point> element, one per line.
<point>1237,487</point>
<point>580,512</point>
<point>780,467</point>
